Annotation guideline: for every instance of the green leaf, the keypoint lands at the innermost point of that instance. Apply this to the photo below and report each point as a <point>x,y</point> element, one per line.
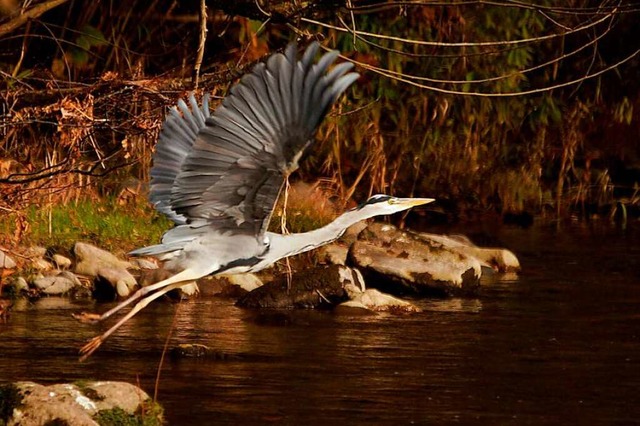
<point>92,36</point>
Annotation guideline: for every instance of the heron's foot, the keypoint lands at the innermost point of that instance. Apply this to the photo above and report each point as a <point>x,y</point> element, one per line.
<point>90,347</point>
<point>87,317</point>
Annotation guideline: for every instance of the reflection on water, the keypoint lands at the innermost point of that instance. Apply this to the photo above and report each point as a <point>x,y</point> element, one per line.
<point>559,344</point>
<point>453,305</point>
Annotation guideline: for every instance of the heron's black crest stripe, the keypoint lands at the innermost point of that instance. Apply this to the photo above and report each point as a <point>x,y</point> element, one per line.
<point>374,200</point>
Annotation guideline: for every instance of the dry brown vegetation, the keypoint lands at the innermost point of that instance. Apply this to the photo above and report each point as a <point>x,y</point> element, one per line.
<point>85,87</point>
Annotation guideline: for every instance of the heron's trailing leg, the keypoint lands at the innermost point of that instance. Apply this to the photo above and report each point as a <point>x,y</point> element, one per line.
<point>156,291</point>
<point>186,275</point>
<point>95,343</point>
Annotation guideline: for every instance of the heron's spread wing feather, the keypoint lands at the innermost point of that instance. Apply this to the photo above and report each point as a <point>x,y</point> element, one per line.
<point>176,139</point>
<point>227,169</point>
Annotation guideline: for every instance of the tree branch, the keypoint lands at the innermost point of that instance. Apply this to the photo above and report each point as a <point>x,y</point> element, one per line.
<point>32,13</point>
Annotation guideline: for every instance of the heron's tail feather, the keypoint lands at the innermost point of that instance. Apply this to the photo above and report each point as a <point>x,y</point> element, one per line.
<point>157,250</point>
<point>173,240</point>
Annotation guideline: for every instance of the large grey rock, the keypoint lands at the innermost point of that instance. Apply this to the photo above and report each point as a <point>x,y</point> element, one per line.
<point>41,264</point>
<point>36,254</point>
<point>374,300</point>
<point>311,288</point>
<point>57,284</point>
<point>247,282</point>
<point>351,233</point>
<point>499,259</point>
<point>402,262</point>
<point>20,284</point>
<point>76,404</point>
<point>190,289</point>
<point>333,254</point>
<point>35,251</point>
<point>91,259</point>
<point>153,276</point>
<point>229,286</point>
<point>119,278</point>
<point>61,261</point>
<point>6,262</point>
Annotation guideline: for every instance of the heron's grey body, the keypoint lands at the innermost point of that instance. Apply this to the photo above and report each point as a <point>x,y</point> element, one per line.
<point>218,176</point>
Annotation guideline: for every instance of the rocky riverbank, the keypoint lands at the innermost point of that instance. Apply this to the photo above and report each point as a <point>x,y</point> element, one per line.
<point>394,262</point>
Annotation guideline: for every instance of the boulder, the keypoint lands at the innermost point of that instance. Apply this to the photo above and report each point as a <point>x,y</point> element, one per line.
<point>86,403</point>
<point>57,284</point>
<point>350,235</point>
<point>35,251</point>
<point>20,284</point>
<point>36,254</point>
<point>229,286</point>
<point>190,289</point>
<point>403,262</point>
<point>41,264</point>
<point>61,261</point>
<point>6,262</point>
<point>333,254</point>
<point>153,276</point>
<point>247,282</point>
<point>317,287</point>
<point>500,259</point>
<point>377,301</point>
<point>119,278</point>
<point>91,259</point>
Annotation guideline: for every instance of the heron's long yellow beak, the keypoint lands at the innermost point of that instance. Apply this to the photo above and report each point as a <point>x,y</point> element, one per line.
<point>412,202</point>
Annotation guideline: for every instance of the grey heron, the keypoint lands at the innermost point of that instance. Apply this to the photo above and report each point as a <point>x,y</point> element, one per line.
<point>218,175</point>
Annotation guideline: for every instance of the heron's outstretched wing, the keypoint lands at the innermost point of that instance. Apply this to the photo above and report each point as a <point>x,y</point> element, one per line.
<point>232,173</point>
<point>175,142</point>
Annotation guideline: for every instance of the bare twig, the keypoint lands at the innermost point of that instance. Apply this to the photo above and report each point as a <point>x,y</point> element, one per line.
<point>550,62</point>
<point>201,44</point>
<point>23,50</point>
<point>578,29</point>
<point>25,17</point>
<point>410,81</point>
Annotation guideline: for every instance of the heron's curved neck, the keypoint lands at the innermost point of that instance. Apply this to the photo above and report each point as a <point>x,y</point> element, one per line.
<point>287,245</point>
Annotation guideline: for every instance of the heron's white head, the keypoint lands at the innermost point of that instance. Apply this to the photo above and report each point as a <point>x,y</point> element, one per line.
<point>381,204</point>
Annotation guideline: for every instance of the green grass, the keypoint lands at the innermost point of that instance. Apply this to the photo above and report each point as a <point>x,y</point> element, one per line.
<point>105,223</point>
<point>121,228</point>
<point>150,414</point>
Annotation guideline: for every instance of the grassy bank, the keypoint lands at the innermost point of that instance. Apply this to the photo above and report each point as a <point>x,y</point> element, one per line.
<point>118,227</point>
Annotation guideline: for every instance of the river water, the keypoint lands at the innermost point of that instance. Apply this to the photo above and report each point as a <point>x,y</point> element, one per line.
<point>558,344</point>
